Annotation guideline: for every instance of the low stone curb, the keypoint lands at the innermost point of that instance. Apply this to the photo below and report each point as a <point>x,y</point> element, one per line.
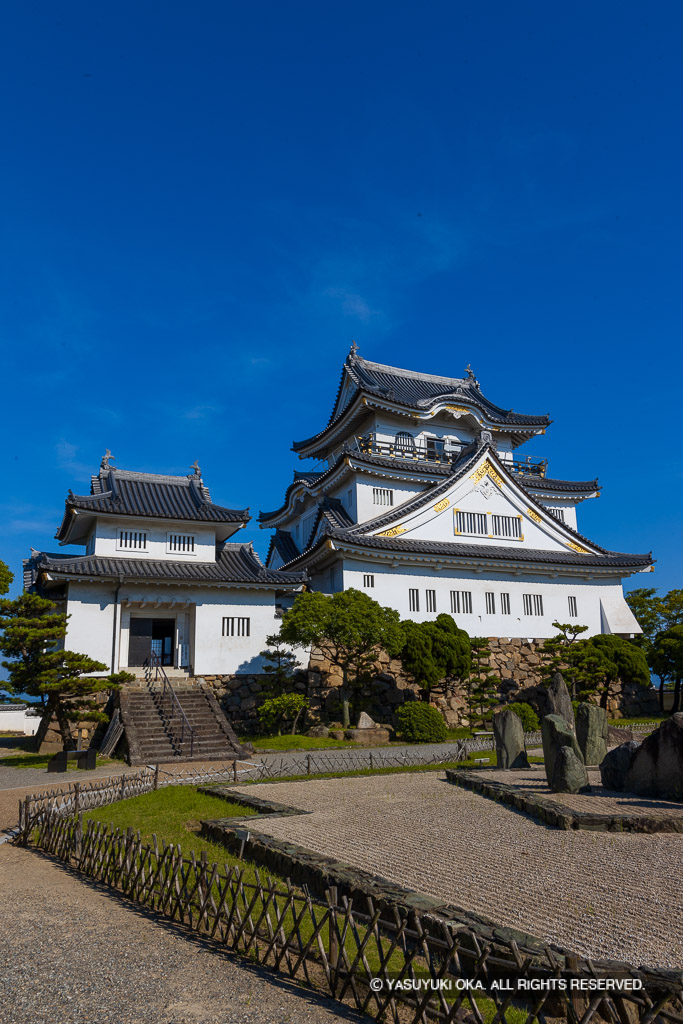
<point>552,813</point>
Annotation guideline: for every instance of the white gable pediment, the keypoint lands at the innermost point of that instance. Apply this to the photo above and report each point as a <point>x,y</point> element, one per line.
<point>484,506</point>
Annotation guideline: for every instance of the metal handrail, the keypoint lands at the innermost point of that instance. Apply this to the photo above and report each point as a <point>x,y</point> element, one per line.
<point>368,444</point>
<point>176,706</point>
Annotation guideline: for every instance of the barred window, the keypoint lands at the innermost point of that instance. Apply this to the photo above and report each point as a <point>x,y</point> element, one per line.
<point>507,526</point>
<point>431,600</point>
<point>470,522</point>
<point>572,607</point>
<point>181,542</point>
<point>368,581</point>
<point>405,441</point>
<point>533,604</point>
<point>505,604</point>
<point>236,627</point>
<point>490,603</point>
<point>132,540</point>
<point>382,496</point>
<point>558,513</point>
<point>461,602</point>
<point>414,600</point>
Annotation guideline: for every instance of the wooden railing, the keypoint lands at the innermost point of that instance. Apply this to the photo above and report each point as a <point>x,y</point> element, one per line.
<point>393,963</point>
<point>438,453</point>
<point>168,695</point>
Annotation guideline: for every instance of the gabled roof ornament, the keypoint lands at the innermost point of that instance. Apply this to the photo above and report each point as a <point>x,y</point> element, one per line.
<point>470,374</point>
<point>197,470</point>
<point>353,350</point>
<point>104,464</point>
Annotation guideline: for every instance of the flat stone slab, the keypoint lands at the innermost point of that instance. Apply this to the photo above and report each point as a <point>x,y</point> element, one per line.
<point>601,810</point>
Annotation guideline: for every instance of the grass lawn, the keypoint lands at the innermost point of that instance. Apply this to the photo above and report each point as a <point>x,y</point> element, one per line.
<point>625,722</point>
<point>172,814</point>
<point>298,742</point>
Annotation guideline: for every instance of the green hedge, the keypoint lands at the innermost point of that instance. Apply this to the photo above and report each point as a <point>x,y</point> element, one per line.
<point>420,723</point>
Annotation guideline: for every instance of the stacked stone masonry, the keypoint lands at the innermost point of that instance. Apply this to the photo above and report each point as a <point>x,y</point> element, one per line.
<point>517,662</point>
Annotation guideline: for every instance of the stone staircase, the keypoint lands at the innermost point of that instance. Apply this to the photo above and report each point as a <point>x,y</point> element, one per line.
<point>154,735</point>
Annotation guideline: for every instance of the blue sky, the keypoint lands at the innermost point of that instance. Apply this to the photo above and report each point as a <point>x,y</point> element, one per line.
<point>202,204</point>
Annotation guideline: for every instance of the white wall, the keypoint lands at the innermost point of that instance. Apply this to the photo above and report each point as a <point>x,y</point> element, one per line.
<point>217,654</point>
<point>15,719</point>
<point>365,506</point>
<point>90,626</point>
<point>107,531</point>
<point>392,586</point>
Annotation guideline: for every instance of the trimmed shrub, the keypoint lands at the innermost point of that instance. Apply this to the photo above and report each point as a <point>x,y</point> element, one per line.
<point>285,708</point>
<point>420,723</point>
<point>529,717</point>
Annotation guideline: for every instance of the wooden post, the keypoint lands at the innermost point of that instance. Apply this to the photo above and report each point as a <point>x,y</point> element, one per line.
<point>77,797</point>
<point>234,770</point>
<point>156,776</point>
<point>308,764</point>
<point>334,937</point>
<point>123,787</point>
<point>370,760</point>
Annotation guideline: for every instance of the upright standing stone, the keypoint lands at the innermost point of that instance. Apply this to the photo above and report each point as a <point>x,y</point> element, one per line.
<point>591,732</point>
<point>556,734</point>
<point>508,732</point>
<point>615,765</point>
<point>569,772</point>
<point>559,701</point>
<point>657,765</point>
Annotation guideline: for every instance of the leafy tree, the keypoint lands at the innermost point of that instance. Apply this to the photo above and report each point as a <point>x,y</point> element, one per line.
<point>600,660</point>
<point>281,665</point>
<point>435,651</point>
<point>421,723</point>
<point>350,629</point>
<point>656,615</point>
<point>666,659</point>
<point>6,577</point>
<point>481,687</point>
<point>32,632</point>
<point>288,707</point>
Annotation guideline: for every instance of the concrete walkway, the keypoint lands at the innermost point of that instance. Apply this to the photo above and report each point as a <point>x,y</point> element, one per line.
<point>74,952</point>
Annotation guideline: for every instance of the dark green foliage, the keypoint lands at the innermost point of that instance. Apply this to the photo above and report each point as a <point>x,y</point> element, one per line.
<point>286,708</point>
<point>527,714</point>
<point>281,664</point>
<point>554,651</point>
<point>435,651</point>
<point>666,659</point>
<point>481,688</point>
<point>6,577</point>
<point>32,632</point>
<point>420,723</point>
<point>600,660</point>
<point>657,616</point>
<point>350,629</point>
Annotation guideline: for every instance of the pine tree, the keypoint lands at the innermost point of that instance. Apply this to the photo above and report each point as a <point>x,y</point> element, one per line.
<point>281,666</point>
<point>481,688</point>
<point>31,633</point>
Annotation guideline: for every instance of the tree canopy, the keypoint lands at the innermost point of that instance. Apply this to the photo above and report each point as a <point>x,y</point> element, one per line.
<point>31,634</point>
<point>349,628</point>
<point>435,651</point>
<point>657,617</point>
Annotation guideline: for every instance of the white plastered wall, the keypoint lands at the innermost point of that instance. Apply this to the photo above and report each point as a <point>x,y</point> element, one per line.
<point>90,626</point>
<point>392,585</point>
<point>107,533</point>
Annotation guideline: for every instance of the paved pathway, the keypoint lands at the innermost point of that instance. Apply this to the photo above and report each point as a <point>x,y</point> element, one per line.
<point>74,953</point>
<point>601,894</point>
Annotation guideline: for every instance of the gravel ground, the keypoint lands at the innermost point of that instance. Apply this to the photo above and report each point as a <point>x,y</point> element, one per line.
<point>600,801</point>
<point>73,953</point>
<point>600,894</point>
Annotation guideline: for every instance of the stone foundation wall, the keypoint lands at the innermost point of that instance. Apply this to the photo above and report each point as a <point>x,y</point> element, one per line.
<point>517,662</point>
<point>48,739</point>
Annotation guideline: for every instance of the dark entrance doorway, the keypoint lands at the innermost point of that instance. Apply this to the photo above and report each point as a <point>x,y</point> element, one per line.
<point>147,635</point>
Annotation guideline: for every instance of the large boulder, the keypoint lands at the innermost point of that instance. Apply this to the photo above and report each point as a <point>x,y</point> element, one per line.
<point>591,732</point>
<point>559,701</point>
<point>556,734</point>
<point>569,772</point>
<point>657,765</point>
<point>508,733</point>
<point>616,764</point>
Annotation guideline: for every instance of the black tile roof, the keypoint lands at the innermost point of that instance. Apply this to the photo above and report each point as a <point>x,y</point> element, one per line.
<point>124,493</point>
<point>482,552</point>
<point>414,390</point>
<point>236,563</point>
<point>544,483</point>
<point>283,542</point>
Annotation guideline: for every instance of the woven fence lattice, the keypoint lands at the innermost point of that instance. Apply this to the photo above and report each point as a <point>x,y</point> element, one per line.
<point>338,947</point>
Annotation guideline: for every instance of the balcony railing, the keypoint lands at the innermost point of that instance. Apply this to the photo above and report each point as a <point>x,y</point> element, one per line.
<point>440,452</point>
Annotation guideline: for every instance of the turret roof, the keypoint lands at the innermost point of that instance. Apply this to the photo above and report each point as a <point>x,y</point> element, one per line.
<point>413,390</point>
<point>122,492</point>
